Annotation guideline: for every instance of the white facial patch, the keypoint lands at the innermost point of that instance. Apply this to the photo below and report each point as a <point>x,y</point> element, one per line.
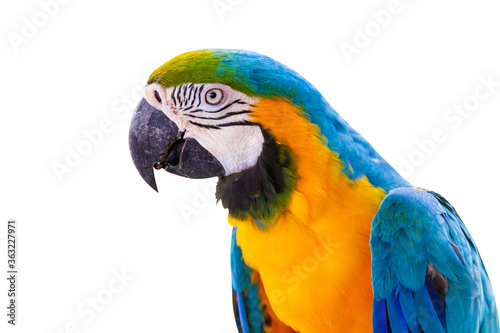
<point>216,116</point>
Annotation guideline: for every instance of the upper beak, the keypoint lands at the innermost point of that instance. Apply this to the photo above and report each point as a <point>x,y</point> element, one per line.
<point>156,142</point>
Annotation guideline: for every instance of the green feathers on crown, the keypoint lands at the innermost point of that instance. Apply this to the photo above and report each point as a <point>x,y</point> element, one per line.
<point>202,66</point>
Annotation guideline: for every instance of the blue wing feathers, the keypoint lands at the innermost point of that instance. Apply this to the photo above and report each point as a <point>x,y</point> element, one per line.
<point>437,286</point>
<point>248,310</point>
<point>241,313</point>
<point>426,313</point>
<point>380,323</point>
<point>427,269</point>
<point>396,316</point>
<point>240,272</point>
<point>405,297</point>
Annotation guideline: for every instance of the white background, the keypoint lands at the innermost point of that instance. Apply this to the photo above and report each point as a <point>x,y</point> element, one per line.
<point>90,58</point>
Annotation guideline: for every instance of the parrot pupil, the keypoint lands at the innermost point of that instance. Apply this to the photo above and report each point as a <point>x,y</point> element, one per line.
<point>213,95</point>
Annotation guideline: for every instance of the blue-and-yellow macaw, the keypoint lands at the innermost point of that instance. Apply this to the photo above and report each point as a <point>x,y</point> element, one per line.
<point>327,236</point>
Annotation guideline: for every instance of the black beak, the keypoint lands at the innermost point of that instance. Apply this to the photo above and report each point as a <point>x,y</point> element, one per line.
<point>156,142</point>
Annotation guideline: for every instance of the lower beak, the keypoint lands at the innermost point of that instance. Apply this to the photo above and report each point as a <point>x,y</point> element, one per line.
<point>156,142</point>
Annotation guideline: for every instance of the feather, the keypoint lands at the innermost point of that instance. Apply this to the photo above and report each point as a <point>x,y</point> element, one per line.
<point>436,270</point>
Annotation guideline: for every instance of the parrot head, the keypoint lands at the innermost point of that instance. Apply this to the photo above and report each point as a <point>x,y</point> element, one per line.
<point>195,121</point>
<point>245,118</point>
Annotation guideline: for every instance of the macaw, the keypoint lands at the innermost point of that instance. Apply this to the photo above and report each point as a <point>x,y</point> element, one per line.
<point>327,236</point>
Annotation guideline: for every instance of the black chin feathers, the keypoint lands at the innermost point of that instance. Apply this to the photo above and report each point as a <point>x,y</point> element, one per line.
<point>262,191</point>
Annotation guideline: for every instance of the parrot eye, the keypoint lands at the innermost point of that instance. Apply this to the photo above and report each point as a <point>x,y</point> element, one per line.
<point>214,96</point>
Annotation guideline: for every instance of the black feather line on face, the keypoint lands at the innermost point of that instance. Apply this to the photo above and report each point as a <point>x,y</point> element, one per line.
<point>229,114</point>
<point>261,191</point>
<point>190,91</point>
<point>221,109</point>
<point>179,94</point>
<point>173,96</point>
<point>199,95</point>
<point>184,99</point>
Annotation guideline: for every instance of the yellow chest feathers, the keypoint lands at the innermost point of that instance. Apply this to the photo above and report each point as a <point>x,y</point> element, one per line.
<point>314,261</point>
